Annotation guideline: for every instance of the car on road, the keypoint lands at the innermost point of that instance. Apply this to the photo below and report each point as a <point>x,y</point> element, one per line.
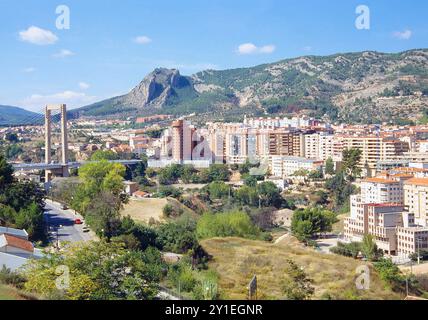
<point>78,221</point>
<point>64,207</point>
<point>86,229</point>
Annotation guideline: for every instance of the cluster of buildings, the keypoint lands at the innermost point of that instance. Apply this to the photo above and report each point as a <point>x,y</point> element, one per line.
<point>290,145</point>
<point>393,208</point>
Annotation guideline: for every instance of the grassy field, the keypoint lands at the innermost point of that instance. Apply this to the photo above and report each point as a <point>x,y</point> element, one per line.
<point>8,293</point>
<point>145,209</point>
<point>238,260</point>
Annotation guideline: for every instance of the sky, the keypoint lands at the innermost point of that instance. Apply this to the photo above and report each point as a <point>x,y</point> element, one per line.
<point>109,46</point>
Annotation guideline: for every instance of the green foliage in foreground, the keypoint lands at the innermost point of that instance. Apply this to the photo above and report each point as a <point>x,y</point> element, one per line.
<point>229,224</point>
<point>296,285</point>
<point>97,271</point>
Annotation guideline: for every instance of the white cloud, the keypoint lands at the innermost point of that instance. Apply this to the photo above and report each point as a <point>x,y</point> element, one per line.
<point>29,70</point>
<point>71,98</point>
<point>403,35</point>
<point>84,85</point>
<point>36,35</point>
<point>64,53</point>
<point>142,40</point>
<point>251,48</point>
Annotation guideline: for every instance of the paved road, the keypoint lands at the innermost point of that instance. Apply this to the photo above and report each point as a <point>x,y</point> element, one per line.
<point>326,244</point>
<point>62,221</point>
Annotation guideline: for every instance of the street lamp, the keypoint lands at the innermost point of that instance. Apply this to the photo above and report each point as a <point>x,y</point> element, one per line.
<point>419,240</point>
<point>57,236</point>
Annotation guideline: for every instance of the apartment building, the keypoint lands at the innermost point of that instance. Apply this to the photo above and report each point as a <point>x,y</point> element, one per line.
<point>411,239</point>
<point>319,146</point>
<point>284,166</point>
<point>378,220</point>
<point>385,188</point>
<point>374,149</point>
<point>416,199</point>
<point>391,207</point>
<point>286,143</point>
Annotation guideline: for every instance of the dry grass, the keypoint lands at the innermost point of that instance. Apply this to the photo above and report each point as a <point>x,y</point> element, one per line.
<point>9,293</point>
<point>145,209</point>
<point>237,260</point>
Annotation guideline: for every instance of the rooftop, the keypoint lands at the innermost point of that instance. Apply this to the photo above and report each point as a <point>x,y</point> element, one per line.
<point>417,182</point>
<point>380,180</point>
<point>8,240</point>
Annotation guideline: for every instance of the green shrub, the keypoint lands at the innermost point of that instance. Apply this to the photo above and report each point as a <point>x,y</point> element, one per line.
<point>229,224</point>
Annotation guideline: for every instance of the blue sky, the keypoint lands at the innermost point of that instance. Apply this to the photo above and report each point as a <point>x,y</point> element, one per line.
<point>111,45</point>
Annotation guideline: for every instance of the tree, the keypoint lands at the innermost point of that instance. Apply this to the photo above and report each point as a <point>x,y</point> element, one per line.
<point>97,177</point>
<point>31,219</point>
<point>306,223</point>
<point>351,161</point>
<point>6,173</point>
<point>178,237</point>
<point>11,137</point>
<point>218,172</point>
<point>170,175</point>
<point>98,271</point>
<point>103,215</point>
<point>297,285</point>
<point>270,195</point>
<point>104,155</point>
<point>369,248</point>
<point>247,196</point>
<point>329,166</point>
<point>218,190</point>
<point>250,181</point>
<point>340,189</point>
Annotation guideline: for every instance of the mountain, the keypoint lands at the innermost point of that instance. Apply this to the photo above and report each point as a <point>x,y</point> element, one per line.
<point>17,116</point>
<point>361,87</point>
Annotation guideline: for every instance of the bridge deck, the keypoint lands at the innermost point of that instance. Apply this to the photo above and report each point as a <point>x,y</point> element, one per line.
<point>54,166</point>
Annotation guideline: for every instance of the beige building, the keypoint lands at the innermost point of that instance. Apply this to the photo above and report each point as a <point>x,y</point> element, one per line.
<point>374,149</point>
<point>416,199</point>
<point>319,146</point>
<point>378,220</point>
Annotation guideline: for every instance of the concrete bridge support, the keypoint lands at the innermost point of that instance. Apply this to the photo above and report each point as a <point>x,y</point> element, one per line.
<point>48,141</point>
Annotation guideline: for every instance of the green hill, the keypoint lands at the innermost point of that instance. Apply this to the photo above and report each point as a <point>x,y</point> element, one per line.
<point>357,87</point>
<point>17,116</point>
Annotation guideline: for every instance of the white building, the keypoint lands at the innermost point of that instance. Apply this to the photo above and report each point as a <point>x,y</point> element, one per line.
<point>15,249</point>
<point>284,166</point>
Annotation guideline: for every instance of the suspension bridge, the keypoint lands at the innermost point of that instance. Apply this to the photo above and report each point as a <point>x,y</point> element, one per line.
<point>54,118</point>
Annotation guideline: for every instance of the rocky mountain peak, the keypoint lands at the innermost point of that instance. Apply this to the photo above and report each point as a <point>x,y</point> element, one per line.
<point>156,88</point>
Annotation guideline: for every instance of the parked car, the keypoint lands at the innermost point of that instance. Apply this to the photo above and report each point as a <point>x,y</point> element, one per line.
<point>64,207</point>
<point>78,221</point>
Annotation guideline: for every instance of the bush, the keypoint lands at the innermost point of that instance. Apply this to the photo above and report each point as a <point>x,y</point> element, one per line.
<point>230,224</point>
<point>178,237</point>
<point>348,250</point>
<point>167,210</point>
<point>12,278</point>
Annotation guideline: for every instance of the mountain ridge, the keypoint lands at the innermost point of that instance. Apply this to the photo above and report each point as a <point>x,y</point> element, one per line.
<point>11,115</point>
<point>356,87</point>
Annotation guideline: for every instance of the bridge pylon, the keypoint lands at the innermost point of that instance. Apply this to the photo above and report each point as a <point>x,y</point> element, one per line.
<point>48,140</point>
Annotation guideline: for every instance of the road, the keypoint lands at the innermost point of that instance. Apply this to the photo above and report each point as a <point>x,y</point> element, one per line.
<point>62,221</point>
<point>326,244</point>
